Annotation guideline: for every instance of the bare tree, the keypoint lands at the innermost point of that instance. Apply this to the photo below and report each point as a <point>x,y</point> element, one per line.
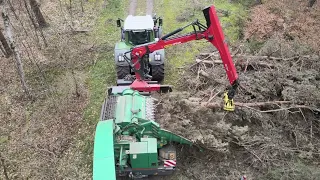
<point>36,10</point>
<point>258,1</point>
<point>5,45</point>
<point>15,51</point>
<point>311,3</point>
<point>34,24</point>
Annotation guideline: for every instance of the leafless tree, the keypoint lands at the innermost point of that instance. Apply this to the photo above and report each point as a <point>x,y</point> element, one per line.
<point>15,51</point>
<point>258,1</point>
<point>311,3</point>
<point>36,10</point>
<point>5,45</point>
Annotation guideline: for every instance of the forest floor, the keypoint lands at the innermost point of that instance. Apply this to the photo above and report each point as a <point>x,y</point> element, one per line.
<point>51,137</point>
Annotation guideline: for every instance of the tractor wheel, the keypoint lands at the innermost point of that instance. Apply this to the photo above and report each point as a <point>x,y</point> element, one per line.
<point>122,71</point>
<point>157,73</point>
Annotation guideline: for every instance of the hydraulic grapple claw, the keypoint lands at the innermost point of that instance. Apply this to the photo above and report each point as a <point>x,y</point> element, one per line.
<point>228,103</point>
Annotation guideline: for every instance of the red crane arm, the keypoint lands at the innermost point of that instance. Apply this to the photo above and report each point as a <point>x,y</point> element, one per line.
<point>218,42</point>
<point>212,33</point>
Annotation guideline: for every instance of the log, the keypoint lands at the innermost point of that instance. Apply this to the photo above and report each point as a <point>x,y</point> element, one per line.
<point>204,74</point>
<point>220,105</point>
<point>215,105</point>
<point>214,54</point>
<point>209,62</point>
<point>251,63</point>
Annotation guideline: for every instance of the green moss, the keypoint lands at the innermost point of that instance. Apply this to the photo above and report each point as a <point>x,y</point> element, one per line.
<point>3,139</point>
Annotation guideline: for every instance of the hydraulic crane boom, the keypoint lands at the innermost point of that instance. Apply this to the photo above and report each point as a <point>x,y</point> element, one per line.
<point>212,33</point>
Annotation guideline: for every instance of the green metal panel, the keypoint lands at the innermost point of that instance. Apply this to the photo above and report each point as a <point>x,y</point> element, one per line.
<point>122,45</point>
<point>139,160</point>
<point>130,105</point>
<point>144,154</point>
<point>139,105</point>
<point>139,156</point>
<point>152,151</point>
<point>103,154</point>
<point>153,160</point>
<point>138,147</point>
<point>123,110</point>
<point>152,144</point>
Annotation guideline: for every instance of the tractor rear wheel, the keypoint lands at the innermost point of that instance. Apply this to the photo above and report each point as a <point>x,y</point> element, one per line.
<point>157,72</point>
<point>122,71</point>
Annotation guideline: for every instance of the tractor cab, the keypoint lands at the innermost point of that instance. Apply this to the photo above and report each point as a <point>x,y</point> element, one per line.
<point>137,30</point>
<point>140,29</point>
<point>137,37</point>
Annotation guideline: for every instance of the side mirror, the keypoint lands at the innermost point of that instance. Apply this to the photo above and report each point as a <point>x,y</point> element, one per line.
<point>118,23</point>
<point>160,22</point>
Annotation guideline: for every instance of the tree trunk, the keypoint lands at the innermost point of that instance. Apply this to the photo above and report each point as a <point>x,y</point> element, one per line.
<point>82,9</point>
<point>34,25</point>
<point>8,51</point>
<point>15,52</point>
<point>311,3</point>
<point>36,10</point>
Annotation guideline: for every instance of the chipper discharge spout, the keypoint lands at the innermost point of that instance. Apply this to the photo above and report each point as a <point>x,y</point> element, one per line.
<point>128,142</point>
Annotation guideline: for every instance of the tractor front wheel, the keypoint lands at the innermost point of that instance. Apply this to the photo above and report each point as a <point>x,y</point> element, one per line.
<point>122,71</point>
<point>157,72</point>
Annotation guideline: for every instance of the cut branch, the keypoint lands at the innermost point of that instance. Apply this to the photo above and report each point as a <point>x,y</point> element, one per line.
<point>203,73</point>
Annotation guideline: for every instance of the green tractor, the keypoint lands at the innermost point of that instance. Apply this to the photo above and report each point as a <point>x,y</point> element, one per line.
<point>139,30</point>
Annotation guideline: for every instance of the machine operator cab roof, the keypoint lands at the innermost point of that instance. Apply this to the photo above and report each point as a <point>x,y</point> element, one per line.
<point>138,23</point>
<point>138,29</point>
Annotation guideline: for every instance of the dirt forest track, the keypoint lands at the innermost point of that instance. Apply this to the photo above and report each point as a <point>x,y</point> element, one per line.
<point>132,7</point>
<point>134,4</point>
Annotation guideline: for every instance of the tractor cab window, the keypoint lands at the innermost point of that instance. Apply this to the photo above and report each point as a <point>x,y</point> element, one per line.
<point>139,37</point>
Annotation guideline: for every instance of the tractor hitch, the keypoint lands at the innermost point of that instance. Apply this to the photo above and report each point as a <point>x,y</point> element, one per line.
<point>145,87</point>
